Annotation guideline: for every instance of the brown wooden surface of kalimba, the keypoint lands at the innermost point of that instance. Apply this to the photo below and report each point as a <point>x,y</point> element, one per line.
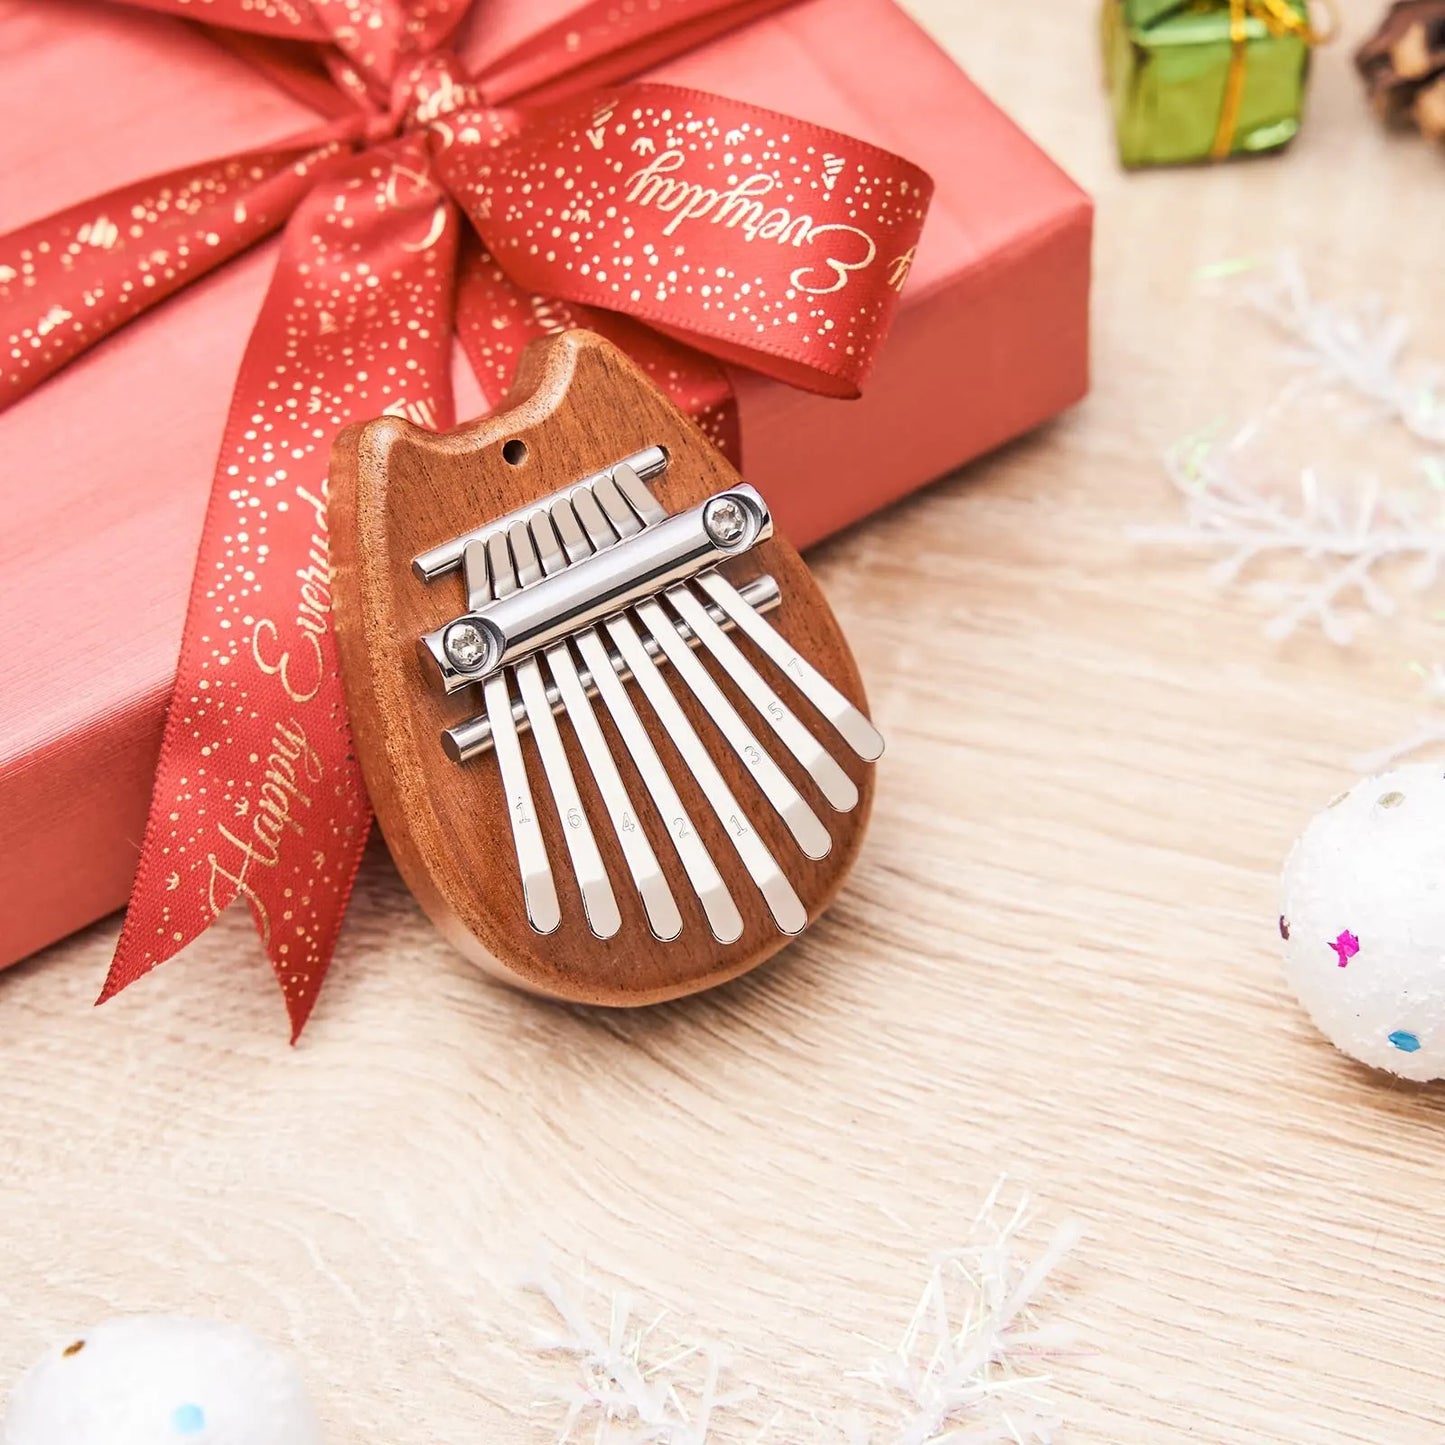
<point>578,406</point>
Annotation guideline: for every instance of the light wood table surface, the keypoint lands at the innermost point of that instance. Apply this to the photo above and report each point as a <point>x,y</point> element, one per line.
<point>1056,960</point>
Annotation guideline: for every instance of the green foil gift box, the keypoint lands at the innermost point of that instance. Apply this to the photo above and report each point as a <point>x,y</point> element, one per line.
<point>1194,80</point>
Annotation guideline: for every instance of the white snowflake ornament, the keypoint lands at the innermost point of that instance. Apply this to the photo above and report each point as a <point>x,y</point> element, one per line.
<point>1362,921</point>
<point>153,1380</point>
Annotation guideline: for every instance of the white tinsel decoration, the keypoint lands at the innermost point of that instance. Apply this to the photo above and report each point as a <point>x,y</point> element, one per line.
<point>1361,350</point>
<point>1347,538</point>
<point>966,1371</point>
<point>967,1368</point>
<point>635,1381</point>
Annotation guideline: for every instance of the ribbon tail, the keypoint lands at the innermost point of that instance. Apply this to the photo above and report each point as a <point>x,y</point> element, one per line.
<point>74,277</point>
<point>258,794</point>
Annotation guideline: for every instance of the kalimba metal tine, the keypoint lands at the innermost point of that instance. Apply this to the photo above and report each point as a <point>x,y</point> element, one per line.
<point>803,823</point>
<point>476,575</point>
<point>598,900</point>
<point>789,804</point>
<point>660,906</point>
<point>636,494</point>
<point>594,521</point>
<point>430,565</point>
<point>852,726</point>
<point>616,508</point>
<point>539,888</point>
<point>836,786</point>
<point>723,919</point>
<point>783,902</point>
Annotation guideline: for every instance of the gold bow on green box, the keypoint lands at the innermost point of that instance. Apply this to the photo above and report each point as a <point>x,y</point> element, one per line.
<point>1194,80</point>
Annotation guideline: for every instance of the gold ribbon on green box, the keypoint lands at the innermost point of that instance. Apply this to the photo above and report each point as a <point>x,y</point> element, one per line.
<point>1194,80</point>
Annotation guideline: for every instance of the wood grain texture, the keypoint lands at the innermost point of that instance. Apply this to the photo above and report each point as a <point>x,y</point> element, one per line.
<point>1055,958</point>
<point>578,405</point>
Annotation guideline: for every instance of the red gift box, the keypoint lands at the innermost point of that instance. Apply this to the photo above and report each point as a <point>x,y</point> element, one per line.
<point>107,466</point>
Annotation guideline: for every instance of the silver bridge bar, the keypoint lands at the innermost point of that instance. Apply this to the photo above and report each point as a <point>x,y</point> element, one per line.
<point>599,586</point>
<point>473,738</point>
<point>649,463</point>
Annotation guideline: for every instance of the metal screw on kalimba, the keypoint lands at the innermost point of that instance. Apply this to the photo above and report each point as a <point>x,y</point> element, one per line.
<point>466,646</point>
<point>726,522</point>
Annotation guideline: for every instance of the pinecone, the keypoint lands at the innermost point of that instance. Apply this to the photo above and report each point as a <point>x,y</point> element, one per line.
<point>1404,65</point>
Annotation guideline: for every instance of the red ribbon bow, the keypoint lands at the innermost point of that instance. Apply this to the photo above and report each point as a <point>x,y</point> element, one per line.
<point>688,227</point>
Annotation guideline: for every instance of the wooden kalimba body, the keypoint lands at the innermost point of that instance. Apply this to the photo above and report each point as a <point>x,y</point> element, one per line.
<point>612,732</point>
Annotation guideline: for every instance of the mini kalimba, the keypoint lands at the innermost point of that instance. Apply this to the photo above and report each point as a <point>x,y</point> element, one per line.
<point>612,732</point>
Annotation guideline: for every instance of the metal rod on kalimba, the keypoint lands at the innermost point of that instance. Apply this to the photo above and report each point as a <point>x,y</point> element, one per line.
<point>534,617</point>
<point>467,740</point>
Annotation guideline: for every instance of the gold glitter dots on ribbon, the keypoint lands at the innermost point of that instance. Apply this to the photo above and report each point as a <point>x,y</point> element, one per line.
<point>73,278</point>
<point>258,795</point>
<point>759,239</point>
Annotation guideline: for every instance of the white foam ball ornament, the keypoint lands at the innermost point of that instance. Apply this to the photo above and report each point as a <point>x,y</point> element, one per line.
<point>1362,920</point>
<point>156,1380</point>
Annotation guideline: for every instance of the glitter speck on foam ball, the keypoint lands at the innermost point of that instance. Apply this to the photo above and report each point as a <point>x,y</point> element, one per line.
<point>1363,921</point>
<point>154,1380</point>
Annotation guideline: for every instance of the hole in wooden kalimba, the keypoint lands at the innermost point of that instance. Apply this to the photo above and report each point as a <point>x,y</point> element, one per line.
<point>514,452</point>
